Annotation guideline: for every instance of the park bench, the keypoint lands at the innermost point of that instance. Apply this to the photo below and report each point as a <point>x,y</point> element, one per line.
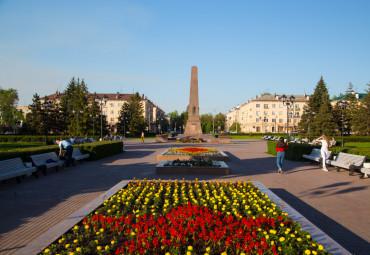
<point>347,161</point>
<point>365,170</point>
<point>14,168</point>
<point>315,155</point>
<point>46,160</point>
<point>77,154</point>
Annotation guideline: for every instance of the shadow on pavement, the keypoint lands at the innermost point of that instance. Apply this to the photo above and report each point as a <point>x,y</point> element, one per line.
<point>349,240</point>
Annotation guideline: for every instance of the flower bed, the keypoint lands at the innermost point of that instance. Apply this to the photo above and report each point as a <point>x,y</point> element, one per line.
<point>172,217</point>
<point>188,153</point>
<point>194,162</point>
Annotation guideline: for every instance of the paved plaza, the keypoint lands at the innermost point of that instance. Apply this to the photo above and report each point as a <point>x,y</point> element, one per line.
<point>335,202</point>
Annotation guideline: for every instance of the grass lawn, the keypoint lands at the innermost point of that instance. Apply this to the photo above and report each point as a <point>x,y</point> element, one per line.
<point>357,145</point>
<point>10,146</point>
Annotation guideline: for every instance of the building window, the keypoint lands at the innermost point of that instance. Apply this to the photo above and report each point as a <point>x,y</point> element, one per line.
<point>273,105</point>
<point>296,114</point>
<point>111,119</point>
<point>297,106</point>
<point>111,112</point>
<point>273,113</point>
<point>281,105</point>
<point>104,112</point>
<point>265,113</point>
<point>119,105</point>
<point>257,105</point>
<point>266,106</point>
<point>111,105</point>
<point>280,113</point>
<point>258,113</point>
<point>280,120</point>
<point>289,120</point>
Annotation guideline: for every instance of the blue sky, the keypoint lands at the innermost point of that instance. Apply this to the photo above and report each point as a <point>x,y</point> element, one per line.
<point>241,48</point>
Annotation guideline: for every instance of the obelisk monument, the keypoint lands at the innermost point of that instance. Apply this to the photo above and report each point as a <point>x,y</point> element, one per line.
<point>193,128</point>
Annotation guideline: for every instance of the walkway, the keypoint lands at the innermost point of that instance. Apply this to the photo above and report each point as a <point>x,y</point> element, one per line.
<point>335,202</point>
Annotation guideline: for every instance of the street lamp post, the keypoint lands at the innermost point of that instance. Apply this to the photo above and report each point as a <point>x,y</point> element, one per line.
<point>309,124</point>
<point>100,101</point>
<point>284,99</point>
<point>343,105</point>
<point>77,117</point>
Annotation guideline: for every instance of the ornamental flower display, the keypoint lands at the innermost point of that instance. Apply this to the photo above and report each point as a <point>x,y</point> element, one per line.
<point>193,162</point>
<point>178,217</point>
<point>194,151</point>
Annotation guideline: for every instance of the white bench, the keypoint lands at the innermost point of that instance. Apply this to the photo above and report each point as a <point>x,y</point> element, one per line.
<point>14,168</point>
<point>347,161</point>
<point>77,155</point>
<point>365,170</point>
<point>315,155</point>
<point>46,160</point>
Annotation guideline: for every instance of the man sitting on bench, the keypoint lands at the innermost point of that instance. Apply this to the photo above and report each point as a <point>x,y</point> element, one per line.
<point>65,145</point>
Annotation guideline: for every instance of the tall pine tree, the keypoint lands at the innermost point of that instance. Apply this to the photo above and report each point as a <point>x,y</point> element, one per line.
<point>361,118</point>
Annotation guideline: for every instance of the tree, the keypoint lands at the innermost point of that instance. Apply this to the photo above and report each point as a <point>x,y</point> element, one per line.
<point>8,112</point>
<point>318,119</point>
<point>323,122</point>
<point>133,111</point>
<point>206,122</point>
<point>34,123</point>
<point>361,120</point>
<point>233,126</point>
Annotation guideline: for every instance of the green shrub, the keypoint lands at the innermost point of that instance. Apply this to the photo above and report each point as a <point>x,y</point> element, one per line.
<point>296,150</point>
<point>97,150</point>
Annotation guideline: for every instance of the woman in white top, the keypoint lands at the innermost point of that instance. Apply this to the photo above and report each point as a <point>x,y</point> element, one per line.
<point>324,150</point>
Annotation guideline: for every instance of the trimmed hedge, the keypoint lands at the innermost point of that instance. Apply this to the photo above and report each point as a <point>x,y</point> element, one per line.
<point>296,150</point>
<point>97,150</point>
<point>34,138</point>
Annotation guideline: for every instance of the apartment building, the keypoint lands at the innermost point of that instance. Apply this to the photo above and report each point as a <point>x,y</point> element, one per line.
<point>267,113</point>
<point>112,108</point>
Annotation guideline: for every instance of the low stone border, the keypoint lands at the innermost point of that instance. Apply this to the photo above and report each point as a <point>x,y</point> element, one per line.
<point>39,244</point>
<point>162,169</point>
<point>162,157</point>
<point>316,233</point>
<point>43,241</point>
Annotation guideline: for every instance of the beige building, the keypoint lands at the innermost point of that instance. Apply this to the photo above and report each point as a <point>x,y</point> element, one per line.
<point>268,114</point>
<point>112,107</point>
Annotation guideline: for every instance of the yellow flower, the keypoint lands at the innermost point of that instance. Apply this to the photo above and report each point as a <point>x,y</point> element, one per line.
<point>206,253</point>
<point>321,247</point>
<point>308,252</point>
<point>112,242</point>
<point>133,233</point>
<point>242,253</point>
<point>292,235</point>
<point>190,248</point>
<point>78,249</point>
<point>272,242</point>
<point>299,239</point>
<point>98,248</point>
<point>308,236</point>
<point>267,237</point>
<point>86,226</point>
<point>282,239</point>
<point>97,233</point>
<point>106,247</point>
<point>46,250</point>
<point>167,253</point>
<point>208,249</point>
<point>314,252</point>
<point>75,241</point>
<point>224,253</point>
<point>101,230</point>
<point>76,227</point>
<point>188,253</point>
<point>72,253</point>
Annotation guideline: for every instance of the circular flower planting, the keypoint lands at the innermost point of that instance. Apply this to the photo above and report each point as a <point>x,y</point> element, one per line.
<point>172,217</point>
<point>198,151</point>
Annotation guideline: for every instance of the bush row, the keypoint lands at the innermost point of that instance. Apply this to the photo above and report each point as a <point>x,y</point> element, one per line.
<point>296,150</point>
<point>97,150</point>
<point>35,138</point>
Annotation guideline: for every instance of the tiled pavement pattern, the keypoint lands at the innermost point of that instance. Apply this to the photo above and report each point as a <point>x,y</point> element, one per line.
<point>335,202</point>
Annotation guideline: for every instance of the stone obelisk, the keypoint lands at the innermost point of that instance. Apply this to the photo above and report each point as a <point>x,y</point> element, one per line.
<point>193,128</point>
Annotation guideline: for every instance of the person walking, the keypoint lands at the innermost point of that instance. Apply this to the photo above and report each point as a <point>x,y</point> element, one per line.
<point>325,144</point>
<point>65,145</point>
<point>281,147</point>
<point>142,137</point>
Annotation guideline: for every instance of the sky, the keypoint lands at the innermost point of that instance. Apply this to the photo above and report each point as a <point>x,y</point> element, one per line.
<point>241,48</point>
